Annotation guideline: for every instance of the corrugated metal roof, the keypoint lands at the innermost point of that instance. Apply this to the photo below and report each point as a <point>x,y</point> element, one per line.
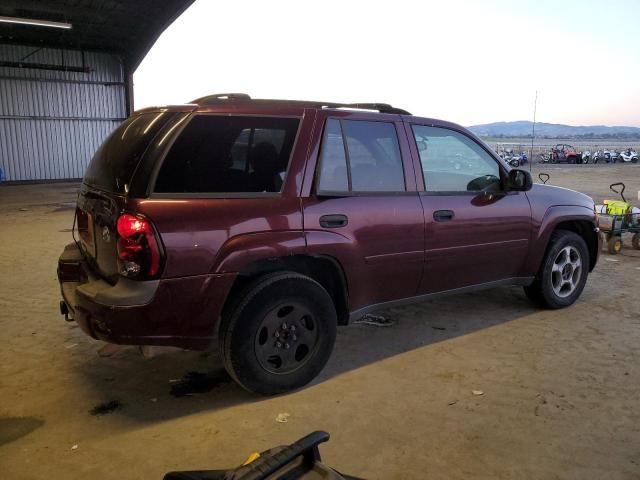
<point>125,28</point>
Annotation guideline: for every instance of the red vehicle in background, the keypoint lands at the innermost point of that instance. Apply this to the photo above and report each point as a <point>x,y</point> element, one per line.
<point>565,153</point>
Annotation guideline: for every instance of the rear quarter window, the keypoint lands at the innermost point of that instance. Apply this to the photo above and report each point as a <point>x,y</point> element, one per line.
<point>113,165</point>
<point>229,154</point>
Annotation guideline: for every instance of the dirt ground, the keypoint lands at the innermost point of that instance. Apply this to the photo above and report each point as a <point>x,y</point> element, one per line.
<point>560,388</point>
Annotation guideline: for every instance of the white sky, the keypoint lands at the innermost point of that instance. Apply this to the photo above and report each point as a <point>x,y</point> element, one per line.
<point>461,60</point>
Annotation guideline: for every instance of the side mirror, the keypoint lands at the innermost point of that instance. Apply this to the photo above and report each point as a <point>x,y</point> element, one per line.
<point>519,180</point>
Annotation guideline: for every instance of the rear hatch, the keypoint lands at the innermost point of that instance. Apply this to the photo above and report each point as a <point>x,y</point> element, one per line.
<point>105,187</point>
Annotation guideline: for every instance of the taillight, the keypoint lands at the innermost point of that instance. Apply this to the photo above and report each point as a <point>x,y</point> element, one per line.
<point>138,249</point>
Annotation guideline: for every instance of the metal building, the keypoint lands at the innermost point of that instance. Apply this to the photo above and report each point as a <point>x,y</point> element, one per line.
<point>66,78</point>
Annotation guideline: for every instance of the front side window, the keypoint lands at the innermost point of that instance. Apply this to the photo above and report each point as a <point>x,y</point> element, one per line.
<point>229,154</point>
<point>452,162</point>
<point>360,156</point>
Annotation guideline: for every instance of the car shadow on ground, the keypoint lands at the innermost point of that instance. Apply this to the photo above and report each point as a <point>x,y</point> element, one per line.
<point>182,383</point>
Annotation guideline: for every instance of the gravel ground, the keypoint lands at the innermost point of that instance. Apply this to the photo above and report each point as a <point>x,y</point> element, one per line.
<point>559,398</point>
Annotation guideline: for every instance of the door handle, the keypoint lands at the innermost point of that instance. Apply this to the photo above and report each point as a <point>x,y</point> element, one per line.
<point>443,215</point>
<point>333,221</point>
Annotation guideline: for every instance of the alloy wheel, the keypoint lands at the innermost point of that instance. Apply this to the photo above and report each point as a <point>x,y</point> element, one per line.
<point>566,271</point>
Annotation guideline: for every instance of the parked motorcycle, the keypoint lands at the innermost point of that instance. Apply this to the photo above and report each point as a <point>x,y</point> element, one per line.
<point>614,156</point>
<point>518,159</point>
<point>629,156</point>
<point>599,156</point>
<point>586,156</point>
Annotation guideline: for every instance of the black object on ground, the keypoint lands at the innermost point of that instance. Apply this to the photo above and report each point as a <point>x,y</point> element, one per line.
<point>106,407</point>
<point>300,460</point>
<point>194,383</point>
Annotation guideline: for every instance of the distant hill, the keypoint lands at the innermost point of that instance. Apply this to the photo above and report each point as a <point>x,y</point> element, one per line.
<point>552,130</point>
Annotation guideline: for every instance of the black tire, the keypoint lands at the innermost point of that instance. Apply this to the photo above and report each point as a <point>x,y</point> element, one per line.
<point>614,244</point>
<point>542,291</point>
<point>634,160</point>
<point>635,241</point>
<point>246,336</point>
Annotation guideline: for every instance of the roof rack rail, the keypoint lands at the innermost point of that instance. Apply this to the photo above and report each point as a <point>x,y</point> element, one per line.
<point>380,107</point>
<point>225,97</point>
<point>220,96</point>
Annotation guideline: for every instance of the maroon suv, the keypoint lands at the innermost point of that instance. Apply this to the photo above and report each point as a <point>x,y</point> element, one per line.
<point>264,224</point>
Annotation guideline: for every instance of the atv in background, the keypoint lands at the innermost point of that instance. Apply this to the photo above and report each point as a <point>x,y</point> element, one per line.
<point>564,153</point>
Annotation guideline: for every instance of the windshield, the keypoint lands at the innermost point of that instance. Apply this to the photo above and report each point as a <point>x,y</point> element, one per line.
<point>115,161</point>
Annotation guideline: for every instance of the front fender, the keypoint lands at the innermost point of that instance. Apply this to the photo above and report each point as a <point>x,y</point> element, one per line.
<point>554,216</point>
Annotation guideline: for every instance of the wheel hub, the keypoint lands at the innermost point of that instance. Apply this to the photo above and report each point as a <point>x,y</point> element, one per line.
<point>566,271</point>
<point>286,338</point>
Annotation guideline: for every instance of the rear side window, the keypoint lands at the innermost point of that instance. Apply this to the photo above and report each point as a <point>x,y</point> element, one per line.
<point>360,156</point>
<point>115,161</point>
<point>229,154</point>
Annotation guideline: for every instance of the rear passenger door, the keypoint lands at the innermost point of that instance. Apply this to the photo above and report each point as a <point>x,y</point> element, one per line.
<point>364,209</point>
<point>476,232</point>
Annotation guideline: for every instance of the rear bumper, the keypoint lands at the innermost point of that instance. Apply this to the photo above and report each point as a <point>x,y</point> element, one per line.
<point>182,312</point>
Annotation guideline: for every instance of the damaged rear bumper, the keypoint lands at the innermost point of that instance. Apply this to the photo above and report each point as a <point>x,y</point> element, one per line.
<point>181,312</point>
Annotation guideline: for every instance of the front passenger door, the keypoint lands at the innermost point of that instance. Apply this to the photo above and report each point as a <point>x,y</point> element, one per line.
<point>475,232</point>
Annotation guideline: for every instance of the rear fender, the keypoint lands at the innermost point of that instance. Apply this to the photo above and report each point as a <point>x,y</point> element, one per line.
<point>347,253</point>
<point>240,251</point>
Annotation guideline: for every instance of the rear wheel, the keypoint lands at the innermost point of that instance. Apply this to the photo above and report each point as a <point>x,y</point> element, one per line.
<point>563,272</point>
<point>635,241</point>
<point>280,335</point>
<point>614,244</point>
<point>634,160</point>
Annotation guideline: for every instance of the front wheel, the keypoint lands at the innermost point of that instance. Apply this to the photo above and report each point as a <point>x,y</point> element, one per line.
<point>635,241</point>
<point>280,335</point>
<point>563,273</point>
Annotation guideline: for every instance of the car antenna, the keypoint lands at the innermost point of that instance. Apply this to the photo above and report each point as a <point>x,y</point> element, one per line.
<point>533,129</point>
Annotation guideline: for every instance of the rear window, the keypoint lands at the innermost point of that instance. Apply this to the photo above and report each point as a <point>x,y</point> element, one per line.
<point>229,154</point>
<point>115,161</point>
